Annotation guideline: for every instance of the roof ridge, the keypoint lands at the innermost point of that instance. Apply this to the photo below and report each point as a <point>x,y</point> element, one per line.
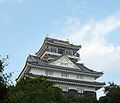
<point>33,56</point>
<point>82,64</point>
<point>48,38</point>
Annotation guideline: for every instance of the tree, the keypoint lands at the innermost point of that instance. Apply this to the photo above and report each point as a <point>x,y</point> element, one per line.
<point>112,92</point>
<point>37,90</point>
<point>87,98</point>
<point>4,79</point>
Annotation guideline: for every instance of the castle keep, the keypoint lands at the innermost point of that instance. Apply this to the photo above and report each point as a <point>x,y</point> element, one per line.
<point>58,60</point>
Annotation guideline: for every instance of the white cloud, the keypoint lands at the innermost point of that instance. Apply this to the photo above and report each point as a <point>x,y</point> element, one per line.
<point>96,52</point>
<point>72,21</point>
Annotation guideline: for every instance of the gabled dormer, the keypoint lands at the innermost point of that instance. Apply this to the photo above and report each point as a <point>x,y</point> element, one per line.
<point>64,61</point>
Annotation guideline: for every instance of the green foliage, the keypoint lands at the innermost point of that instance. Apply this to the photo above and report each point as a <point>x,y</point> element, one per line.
<point>4,79</point>
<point>84,99</point>
<point>37,90</point>
<point>33,90</point>
<point>112,94</point>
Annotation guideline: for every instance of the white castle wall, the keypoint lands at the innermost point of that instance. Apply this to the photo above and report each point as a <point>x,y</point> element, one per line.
<point>80,89</point>
<point>39,71</point>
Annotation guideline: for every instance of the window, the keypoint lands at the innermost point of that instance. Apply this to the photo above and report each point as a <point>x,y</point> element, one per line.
<point>65,88</point>
<point>63,74</point>
<point>67,51</point>
<point>71,52</point>
<point>74,52</point>
<point>53,49</point>
<point>79,76</point>
<point>47,72</point>
<point>80,90</point>
<point>49,48</point>
<point>56,50</point>
<point>61,51</point>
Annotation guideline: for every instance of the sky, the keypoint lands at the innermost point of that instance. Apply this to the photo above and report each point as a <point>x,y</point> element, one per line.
<point>94,24</point>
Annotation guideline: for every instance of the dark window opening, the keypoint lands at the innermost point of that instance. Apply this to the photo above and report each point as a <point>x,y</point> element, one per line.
<point>61,51</point>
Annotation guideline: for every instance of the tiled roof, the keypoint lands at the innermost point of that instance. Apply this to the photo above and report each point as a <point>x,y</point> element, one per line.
<point>36,61</point>
<point>56,41</point>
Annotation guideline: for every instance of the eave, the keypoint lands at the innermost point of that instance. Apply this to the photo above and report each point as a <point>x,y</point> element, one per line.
<point>96,85</point>
<point>69,71</point>
<point>21,75</point>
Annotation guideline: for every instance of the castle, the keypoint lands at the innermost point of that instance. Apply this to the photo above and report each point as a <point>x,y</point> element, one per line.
<point>58,60</point>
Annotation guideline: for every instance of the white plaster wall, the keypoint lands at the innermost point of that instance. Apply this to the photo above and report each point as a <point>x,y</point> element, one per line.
<point>39,71</point>
<point>78,88</point>
<point>89,78</point>
<point>85,77</point>
<point>57,74</point>
<point>73,76</point>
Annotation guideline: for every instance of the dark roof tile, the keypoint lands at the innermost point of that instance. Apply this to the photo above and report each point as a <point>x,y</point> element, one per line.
<point>34,60</point>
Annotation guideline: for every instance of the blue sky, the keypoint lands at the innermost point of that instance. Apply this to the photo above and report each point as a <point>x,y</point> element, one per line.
<point>95,24</point>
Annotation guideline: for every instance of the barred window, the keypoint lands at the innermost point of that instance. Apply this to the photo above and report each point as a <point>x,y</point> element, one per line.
<point>47,72</point>
<point>63,74</point>
<point>79,76</point>
<point>80,90</point>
